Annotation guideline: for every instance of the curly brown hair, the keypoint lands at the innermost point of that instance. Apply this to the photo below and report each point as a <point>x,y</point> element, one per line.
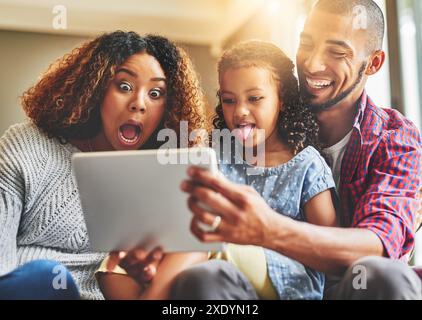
<point>297,125</point>
<point>66,101</point>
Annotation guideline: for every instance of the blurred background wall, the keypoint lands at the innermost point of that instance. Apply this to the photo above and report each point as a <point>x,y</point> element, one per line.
<point>35,33</point>
<point>30,40</point>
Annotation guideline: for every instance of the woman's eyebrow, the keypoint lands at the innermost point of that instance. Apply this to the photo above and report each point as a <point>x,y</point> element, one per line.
<point>159,79</point>
<point>133,74</point>
<point>130,72</point>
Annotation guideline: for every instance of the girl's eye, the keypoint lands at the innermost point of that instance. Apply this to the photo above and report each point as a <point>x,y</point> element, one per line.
<point>228,101</point>
<point>155,94</point>
<point>125,87</point>
<point>255,99</point>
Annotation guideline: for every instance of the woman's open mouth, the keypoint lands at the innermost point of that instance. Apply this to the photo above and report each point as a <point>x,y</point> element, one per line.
<point>130,134</point>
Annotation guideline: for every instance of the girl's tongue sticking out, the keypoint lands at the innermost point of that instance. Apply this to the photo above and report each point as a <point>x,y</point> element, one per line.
<point>243,131</point>
<point>129,134</point>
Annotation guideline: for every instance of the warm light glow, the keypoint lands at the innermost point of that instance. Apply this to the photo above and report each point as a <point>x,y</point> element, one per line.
<point>274,6</point>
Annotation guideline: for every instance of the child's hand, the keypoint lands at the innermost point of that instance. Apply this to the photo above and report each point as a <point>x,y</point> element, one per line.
<point>138,263</point>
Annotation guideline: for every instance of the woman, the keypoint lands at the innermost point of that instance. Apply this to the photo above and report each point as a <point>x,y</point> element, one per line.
<point>113,93</point>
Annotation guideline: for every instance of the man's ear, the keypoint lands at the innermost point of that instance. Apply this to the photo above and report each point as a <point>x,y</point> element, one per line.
<point>376,61</point>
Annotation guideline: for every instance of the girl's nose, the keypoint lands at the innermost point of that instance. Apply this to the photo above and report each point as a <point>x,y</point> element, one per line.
<point>242,111</point>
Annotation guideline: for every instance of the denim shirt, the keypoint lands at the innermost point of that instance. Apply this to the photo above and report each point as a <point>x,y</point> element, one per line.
<point>286,189</point>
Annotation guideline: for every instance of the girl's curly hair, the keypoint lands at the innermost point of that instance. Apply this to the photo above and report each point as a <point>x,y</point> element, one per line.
<point>66,101</point>
<point>297,125</point>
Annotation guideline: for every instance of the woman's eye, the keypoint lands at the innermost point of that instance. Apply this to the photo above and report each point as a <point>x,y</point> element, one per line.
<point>125,87</point>
<point>155,94</point>
<point>255,99</point>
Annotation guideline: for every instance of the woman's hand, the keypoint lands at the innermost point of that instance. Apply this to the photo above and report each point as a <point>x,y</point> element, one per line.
<point>245,216</point>
<point>139,264</point>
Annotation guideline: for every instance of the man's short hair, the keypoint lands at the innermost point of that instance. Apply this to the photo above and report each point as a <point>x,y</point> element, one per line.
<point>374,18</point>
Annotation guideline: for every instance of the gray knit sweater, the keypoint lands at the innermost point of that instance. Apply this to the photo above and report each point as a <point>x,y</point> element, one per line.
<point>40,212</point>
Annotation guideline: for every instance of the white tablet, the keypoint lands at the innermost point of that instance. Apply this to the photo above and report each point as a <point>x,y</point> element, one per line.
<point>133,198</point>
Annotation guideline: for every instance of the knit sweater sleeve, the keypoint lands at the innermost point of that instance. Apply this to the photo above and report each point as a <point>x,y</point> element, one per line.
<point>11,199</point>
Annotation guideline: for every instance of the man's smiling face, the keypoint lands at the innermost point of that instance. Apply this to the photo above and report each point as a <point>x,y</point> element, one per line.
<point>331,60</point>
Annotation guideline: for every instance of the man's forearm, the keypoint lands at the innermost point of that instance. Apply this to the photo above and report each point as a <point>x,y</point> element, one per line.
<point>330,250</point>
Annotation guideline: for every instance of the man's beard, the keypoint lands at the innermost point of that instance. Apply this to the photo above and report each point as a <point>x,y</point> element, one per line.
<point>316,108</point>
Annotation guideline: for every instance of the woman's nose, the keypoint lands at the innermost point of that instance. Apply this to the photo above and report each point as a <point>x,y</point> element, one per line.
<point>138,104</point>
<point>135,107</point>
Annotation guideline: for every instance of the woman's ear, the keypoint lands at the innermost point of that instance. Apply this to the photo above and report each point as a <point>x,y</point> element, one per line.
<point>376,61</point>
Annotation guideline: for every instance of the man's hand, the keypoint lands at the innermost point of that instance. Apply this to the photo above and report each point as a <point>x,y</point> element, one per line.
<point>247,220</point>
<point>138,263</point>
<point>245,216</point>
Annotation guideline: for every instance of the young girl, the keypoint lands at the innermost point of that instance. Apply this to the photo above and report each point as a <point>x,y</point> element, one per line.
<point>113,93</point>
<point>258,91</point>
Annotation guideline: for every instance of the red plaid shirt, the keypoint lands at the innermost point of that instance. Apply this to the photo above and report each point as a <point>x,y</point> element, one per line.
<point>380,176</point>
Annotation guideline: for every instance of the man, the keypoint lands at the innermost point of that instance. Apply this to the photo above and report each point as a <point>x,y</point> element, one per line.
<point>376,160</point>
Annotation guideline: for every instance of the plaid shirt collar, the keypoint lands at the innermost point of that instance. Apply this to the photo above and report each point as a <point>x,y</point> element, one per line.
<point>378,181</point>
<point>362,103</point>
<point>352,154</point>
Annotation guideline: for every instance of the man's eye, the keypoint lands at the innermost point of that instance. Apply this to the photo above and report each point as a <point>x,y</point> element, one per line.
<point>125,87</point>
<point>305,46</point>
<point>155,93</point>
<point>338,54</point>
